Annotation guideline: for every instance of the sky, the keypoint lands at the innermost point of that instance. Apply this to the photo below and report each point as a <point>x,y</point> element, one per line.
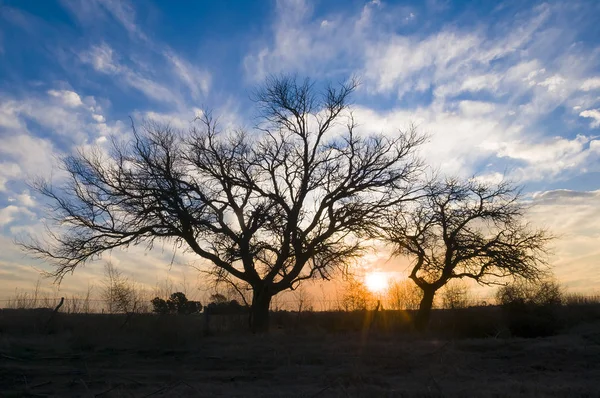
<point>501,88</point>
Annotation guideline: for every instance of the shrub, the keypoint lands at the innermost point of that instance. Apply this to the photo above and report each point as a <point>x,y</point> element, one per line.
<point>176,304</point>
<point>226,307</point>
<point>531,309</point>
<point>159,306</point>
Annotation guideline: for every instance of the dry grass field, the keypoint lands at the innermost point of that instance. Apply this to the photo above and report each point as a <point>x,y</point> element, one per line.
<point>305,355</point>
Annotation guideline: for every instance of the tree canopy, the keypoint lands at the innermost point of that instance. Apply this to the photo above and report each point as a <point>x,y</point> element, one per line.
<point>289,200</point>
<point>465,229</point>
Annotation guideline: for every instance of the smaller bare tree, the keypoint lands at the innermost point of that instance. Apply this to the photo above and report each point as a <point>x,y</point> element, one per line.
<point>465,229</point>
<point>403,295</point>
<point>455,295</point>
<point>117,290</point>
<point>302,299</point>
<point>355,295</point>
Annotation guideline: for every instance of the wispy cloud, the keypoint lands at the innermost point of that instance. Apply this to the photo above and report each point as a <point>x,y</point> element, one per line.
<point>90,12</point>
<point>574,216</point>
<point>197,80</point>
<point>104,60</point>
<point>480,90</point>
<point>154,78</point>
<point>593,114</point>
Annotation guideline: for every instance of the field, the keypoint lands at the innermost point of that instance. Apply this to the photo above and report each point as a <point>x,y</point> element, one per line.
<point>305,355</point>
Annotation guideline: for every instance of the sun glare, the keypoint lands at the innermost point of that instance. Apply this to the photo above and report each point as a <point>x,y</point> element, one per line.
<point>376,282</point>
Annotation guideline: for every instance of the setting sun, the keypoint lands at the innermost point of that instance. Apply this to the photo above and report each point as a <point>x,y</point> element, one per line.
<point>376,282</point>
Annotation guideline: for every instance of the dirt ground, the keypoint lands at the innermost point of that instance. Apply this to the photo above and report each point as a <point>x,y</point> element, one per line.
<point>289,364</point>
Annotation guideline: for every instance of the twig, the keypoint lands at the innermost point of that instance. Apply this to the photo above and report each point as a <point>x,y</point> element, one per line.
<point>321,391</point>
<point>42,384</point>
<point>165,388</point>
<point>11,358</point>
<point>84,384</point>
<point>435,383</point>
<point>130,379</point>
<point>107,391</point>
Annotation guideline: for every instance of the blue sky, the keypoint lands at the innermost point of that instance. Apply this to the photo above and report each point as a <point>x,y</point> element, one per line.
<point>501,88</point>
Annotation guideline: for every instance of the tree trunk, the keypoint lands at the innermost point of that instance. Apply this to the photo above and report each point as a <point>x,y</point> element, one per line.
<point>424,313</point>
<point>259,310</point>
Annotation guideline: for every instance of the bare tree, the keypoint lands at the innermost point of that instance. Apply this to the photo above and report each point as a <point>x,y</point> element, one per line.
<point>403,295</point>
<point>455,294</point>
<point>355,295</point>
<point>283,203</point>
<point>117,291</point>
<point>465,230</point>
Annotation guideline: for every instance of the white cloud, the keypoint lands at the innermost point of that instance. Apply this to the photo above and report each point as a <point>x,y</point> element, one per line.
<point>510,68</point>
<point>300,44</point>
<point>98,118</point>
<point>591,84</point>
<point>8,171</point>
<point>179,120</point>
<point>98,12</point>
<point>9,214</point>
<point>450,60</point>
<point>491,178</point>
<point>9,117</point>
<point>101,58</point>
<point>59,115</point>
<point>545,158</point>
<point>592,114</point>
<point>25,199</point>
<point>124,12</point>
<point>487,81</point>
<point>552,83</point>
<point>399,63</point>
<point>476,108</point>
<point>35,156</point>
<point>68,98</point>
<point>456,139</point>
<point>197,81</point>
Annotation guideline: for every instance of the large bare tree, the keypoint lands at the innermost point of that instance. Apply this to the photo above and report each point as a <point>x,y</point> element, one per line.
<point>287,201</point>
<point>465,229</point>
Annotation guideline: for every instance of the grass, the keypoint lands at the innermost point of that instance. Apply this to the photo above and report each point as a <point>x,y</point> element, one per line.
<point>467,352</point>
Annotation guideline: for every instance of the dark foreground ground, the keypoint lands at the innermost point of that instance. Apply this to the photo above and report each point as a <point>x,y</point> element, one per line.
<point>297,363</point>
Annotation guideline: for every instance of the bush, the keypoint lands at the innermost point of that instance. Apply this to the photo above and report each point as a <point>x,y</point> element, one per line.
<point>225,307</point>
<point>531,309</point>
<point>176,304</point>
<point>159,306</point>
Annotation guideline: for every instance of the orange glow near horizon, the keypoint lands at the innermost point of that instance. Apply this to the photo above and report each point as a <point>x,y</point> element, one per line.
<point>376,282</point>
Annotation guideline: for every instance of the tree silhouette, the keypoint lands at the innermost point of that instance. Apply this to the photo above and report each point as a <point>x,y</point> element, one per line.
<point>465,230</point>
<point>177,303</point>
<point>288,201</point>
